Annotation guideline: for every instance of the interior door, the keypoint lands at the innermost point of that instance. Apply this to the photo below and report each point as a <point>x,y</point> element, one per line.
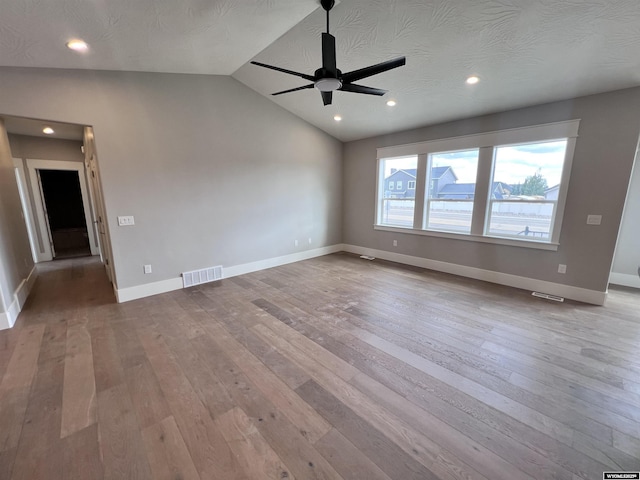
<point>48,238</point>
<point>95,188</point>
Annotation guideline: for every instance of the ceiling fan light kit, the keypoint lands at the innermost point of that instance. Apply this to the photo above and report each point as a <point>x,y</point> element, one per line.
<point>328,78</point>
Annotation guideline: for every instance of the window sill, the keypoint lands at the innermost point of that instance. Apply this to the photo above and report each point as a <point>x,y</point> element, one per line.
<point>472,238</point>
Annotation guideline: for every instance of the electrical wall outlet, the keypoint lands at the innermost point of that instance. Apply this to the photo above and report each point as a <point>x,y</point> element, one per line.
<point>126,221</point>
<point>309,240</point>
<point>562,268</point>
<point>295,243</point>
<point>147,269</point>
<point>395,243</point>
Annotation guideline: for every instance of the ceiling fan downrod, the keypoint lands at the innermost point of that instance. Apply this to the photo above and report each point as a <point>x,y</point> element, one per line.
<point>327,5</point>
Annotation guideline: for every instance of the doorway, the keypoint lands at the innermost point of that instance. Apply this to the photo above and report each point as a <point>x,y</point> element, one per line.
<point>44,176</point>
<point>625,270</point>
<point>65,213</point>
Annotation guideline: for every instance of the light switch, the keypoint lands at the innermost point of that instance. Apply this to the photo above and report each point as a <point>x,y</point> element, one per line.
<point>594,219</point>
<point>126,221</point>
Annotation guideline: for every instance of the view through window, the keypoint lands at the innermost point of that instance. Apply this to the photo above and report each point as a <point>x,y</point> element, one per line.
<point>398,199</point>
<point>523,170</point>
<point>451,190</point>
<point>526,184</point>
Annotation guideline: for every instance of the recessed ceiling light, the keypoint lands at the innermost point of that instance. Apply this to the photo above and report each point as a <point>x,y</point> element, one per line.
<point>391,103</point>
<point>48,130</point>
<point>472,80</point>
<point>337,118</point>
<point>78,45</point>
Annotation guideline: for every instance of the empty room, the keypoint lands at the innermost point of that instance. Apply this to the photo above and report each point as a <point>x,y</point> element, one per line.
<point>305,239</point>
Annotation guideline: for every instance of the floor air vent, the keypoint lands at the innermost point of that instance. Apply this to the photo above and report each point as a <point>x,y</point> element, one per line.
<point>197,277</point>
<point>555,298</point>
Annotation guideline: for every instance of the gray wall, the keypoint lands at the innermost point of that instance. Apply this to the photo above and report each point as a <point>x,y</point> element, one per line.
<point>42,148</point>
<point>608,136</point>
<point>213,172</point>
<point>15,252</point>
<point>25,146</point>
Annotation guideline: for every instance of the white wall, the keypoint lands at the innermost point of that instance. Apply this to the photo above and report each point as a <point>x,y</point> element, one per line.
<point>627,258</point>
<point>16,263</point>
<point>214,173</point>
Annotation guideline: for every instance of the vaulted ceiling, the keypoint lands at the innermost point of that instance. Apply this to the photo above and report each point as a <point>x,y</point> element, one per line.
<point>525,52</point>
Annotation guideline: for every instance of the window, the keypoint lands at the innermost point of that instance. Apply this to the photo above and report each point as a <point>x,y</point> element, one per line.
<point>524,189</point>
<point>396,208</point>
<point>505,187</point>
<point>452,189</point>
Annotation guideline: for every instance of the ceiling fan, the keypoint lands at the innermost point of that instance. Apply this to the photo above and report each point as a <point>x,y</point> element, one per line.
<point>328,78</point>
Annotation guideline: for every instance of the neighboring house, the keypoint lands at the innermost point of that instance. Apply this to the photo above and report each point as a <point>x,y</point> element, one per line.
<point>441,177</point>
<point>551,193</point>
<point>500,190</point>
<point>401,183</point>
<point>457,191</point>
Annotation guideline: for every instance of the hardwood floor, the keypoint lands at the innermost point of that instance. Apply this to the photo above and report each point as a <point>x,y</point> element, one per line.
<point>331,368</point>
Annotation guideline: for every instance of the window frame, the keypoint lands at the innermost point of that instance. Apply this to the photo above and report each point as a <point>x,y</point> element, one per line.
<point>487,143</point>
<point>381,197</point>
<point>428,198</point>
<point>409,187</point>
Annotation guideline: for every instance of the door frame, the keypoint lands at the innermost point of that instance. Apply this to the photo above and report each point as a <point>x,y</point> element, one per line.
<point>23,190</point>
<point>33,165</point>
<point>97,201</point>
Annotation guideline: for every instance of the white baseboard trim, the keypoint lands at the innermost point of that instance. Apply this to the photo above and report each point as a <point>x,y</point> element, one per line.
<point>24,290</point>
<point>8,318</point>
<point>567,291</point>
<point>625,280</point>
<point>163,286</point>
<point>277,261</point>
<point>147,289</point>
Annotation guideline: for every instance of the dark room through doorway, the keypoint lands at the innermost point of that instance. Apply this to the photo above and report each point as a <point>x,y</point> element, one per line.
<point>65,213</point>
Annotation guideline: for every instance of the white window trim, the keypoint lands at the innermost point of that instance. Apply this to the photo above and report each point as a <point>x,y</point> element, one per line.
<point>424,223</point>
<point>470,238</point>
<point>537,133</point>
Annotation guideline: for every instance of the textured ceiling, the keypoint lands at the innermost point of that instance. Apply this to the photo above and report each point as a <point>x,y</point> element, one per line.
<point>188,36</point>
<point>525,51</point>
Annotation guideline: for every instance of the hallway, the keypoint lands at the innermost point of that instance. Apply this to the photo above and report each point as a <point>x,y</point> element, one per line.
<point>330,368</point>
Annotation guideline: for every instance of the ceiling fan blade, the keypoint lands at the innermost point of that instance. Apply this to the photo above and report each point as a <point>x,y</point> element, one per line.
<point>329,53</point>
<point>373,70</point>
<point>327,97</point>
<point>350,87</point>
<point>294,89</point>
<point>283,70</point>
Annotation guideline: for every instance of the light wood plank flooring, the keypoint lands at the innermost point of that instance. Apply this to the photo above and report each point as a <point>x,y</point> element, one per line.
<point>331,368</point>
